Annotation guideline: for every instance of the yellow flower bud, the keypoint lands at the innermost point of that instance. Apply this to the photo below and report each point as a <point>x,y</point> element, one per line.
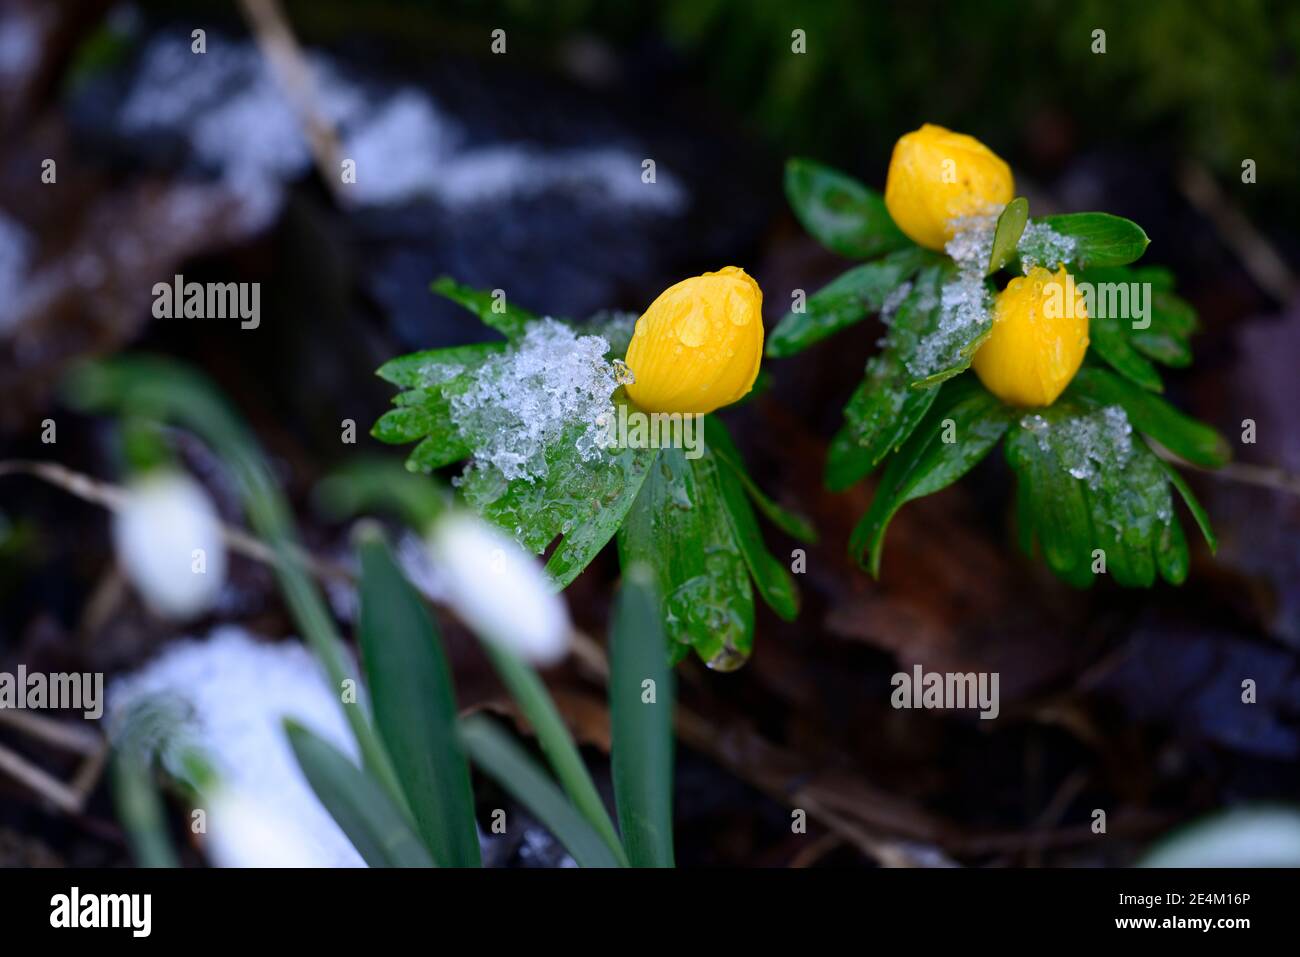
<point>1039,336</point>
<point>935,176</point>
<point>698,346</point>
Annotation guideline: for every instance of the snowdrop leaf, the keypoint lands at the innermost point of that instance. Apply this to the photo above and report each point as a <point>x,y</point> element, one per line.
<point>1100,239</point>
<point>503,760</point>
<point>492,310</point>
<point>960,428</point>
<point>359,805</point>
<point>846,300</point>
<point>415,706</point>
<point>641,724</point>
<point>679,527</point>
<point>839,212</point>
<point>557,744</point>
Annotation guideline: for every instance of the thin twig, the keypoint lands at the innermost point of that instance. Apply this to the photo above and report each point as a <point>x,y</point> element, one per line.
<point>1263,476</point>
<point>40,782</point>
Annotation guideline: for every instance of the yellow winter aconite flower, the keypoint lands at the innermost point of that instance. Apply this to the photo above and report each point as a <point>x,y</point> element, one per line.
<point>935,176</point>
<point>698,346</point>
<point>1039,336</point>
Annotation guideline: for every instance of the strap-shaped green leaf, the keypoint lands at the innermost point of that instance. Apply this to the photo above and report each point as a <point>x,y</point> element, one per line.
<point>846,300</point>
<point>557,744</point>
<point>1193,505</point>
<point>839,212</point>
<point>496,312</point>
<point>1153,416</point>
<point>519,775</point>
<point>641,722</point>
<point>961,427</point>
<point>1100,239</point>
<point>374,825</point>
<point>415,706</point>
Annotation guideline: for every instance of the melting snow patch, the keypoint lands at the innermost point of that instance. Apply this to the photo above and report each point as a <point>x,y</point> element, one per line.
<point>526,399</point>
<point>238,692</point>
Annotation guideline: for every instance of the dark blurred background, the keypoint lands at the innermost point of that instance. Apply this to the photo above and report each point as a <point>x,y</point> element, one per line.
<point>522,171</point>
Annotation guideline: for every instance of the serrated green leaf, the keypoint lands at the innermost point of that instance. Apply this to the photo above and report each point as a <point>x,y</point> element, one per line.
<point>518,774</point>
<point>422,369</point>
<point>415,706</point>
<point>376,828</point>
<point>885,408</point>
<point>508,319</point>
<point>1153,416</point>
<point>1079,495</point>
<point>1100,239</point>
<point>641,730</point>
<point>720,443</point>
<point>926,463</point>
<point>1011,223</point>
<point>1193,505</point>
<point>579,547</point>
<point>679,527</point>
<point>839,212</point>
<point>848,299</point>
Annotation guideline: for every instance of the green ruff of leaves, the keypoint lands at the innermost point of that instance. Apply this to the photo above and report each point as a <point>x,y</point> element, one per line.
<point>692,521</point>
<point>929,434</point>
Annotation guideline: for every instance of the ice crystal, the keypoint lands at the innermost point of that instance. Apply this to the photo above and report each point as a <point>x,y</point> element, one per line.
<point>528,398</point>
<point>1088,446</point>
<point>965,305</point>
<point>1040,245</point>
<point>893,301</point>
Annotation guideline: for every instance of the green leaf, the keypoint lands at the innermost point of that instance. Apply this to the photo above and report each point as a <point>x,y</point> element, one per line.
<point>1100,239</point>
<point>579,547</point>
<point>885,408</point>
<point>1087,483</point>
<point>964,412</point>
<point>839,212</point>
<point>360,807</point>
<point>415,705</point>
<point>371,484</point>
<point>1153,416</point>
<point>1163,334</point>
<point>846,300</point>
<point>519,775</point>
<point>1011,223</point>
<point>641,731</point>
<point>557,744</point>
<point>510,321</point>
<point>1189,499</point>
<point>423,369</point>
<point>140,810</point>
<point>774,581</point>
<point>1113,344</point>
<point>679,526</point>
<point>721,445</point>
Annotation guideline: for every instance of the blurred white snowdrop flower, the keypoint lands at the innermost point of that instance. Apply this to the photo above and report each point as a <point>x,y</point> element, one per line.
<point>168,539</point>
<point>497,588</point>
<point>235,693</point>
<point>246,832</point>
<point>1242,837</point>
